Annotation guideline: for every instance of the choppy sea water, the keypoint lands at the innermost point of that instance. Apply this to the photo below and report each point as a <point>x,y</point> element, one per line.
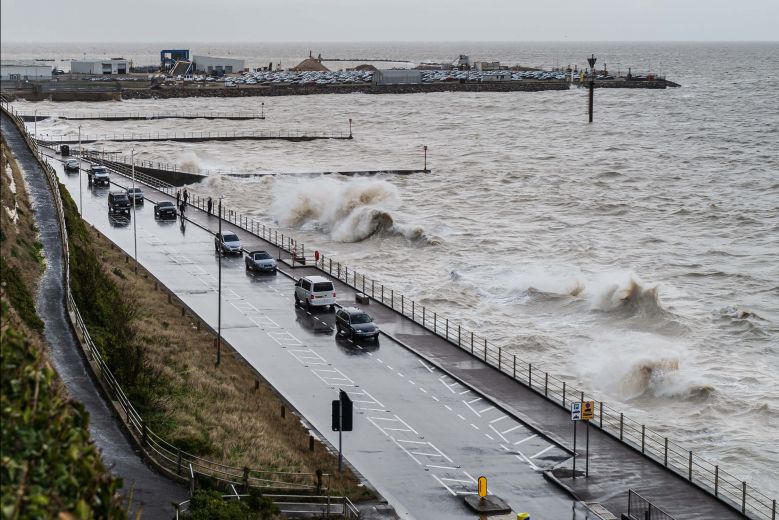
<point>637,257</point>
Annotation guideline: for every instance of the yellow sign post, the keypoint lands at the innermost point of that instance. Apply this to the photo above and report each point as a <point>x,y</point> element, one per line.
<point>482,487</point>
<point>588,410</point>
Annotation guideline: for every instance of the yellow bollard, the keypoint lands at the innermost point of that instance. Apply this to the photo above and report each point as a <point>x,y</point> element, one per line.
<point>523,516</point>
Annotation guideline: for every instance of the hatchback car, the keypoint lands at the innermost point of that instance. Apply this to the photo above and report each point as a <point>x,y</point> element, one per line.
<point>165,210</point>
<point>71,165</point>
<point>315,291</point>
<point>135,194</point>
<point>356,323</point>
<point>227,243</point>
<point>260,261</point>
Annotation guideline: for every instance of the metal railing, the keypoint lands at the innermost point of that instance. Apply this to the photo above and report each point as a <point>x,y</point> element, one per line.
<point>192,136</point>
<point>684,462</point>
<point>639,508</point>
<point>324,506</point>
<point>163,454</point>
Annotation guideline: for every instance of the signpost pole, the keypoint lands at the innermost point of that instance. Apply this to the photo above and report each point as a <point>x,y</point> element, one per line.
<point>574,448</point>
<point>587,457</point>
<point>340,434</point>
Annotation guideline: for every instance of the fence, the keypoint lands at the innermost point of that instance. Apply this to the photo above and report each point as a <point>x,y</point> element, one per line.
<point>312,505</point>
<point>194,136</point>
<point>639,508</point>
<point>164,455</point>
<point>684,462</point>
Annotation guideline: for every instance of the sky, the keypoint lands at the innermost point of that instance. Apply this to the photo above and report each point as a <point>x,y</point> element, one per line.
<point>139,21</point>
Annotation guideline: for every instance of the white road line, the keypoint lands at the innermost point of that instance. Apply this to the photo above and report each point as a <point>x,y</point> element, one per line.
<point>526,439</point>
<point>413,383</point>
<point>471,408</point>
<point>447,487</point>
<point>429,369</point>
<point>497,432</point>
<point>460,416</point>
<point>434,398</point>
<point>464,392</point>
<point>441,467</point>
<point>512,429</point>
<point>486,409</point>
<point>542,451</point>
<point>498,419</point>
<point>474,426</point>
<point>407,452</point>
<point>400,374</point>
<point>422,390</point>
<point>526,460</point>
<point>448,407</point>
<point>389,367</point>
<point>489,436</point>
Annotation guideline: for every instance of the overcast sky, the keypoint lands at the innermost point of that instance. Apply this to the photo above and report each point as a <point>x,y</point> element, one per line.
<point>387,20</point>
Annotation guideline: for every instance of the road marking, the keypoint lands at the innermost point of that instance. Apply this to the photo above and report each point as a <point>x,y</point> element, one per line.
<point>330,380</point>
<point>441,467</point>
<point>489,436</point>
<point>460,416</point>
<point>435,398</point>
<point>497,432</point>
<point>474,426</point>
<point>500,419</point>
<point>429,369</point>
<point>526,439</point>
<point>447,487</point>
<point>542,451</point>
<point>422,389</point>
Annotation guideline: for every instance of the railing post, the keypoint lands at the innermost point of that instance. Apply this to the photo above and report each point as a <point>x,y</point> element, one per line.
<point>471,342</point>
<point>373,288</point>
<point>500,357</point>
<point>413,316</point>
<point>143,433</point>
<point>621,424</point>
<point>689,470</point>
<point>515,366</point>
<point>643,436</point>
<point>600,412</point>
<point>716,480</point>
<point>530,375</point>
<point>458,335</point>
<point>392,299</point>
<point>402,305</point>
<point>563,394</point>
<point>178,463</point>
<point>546,384</point>
<point>435,323</point>
<point>447,329</point>
<point>665,458</point>
<point>744,497</point>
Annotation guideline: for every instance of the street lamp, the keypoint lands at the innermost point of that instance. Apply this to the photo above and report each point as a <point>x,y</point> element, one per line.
<point>592,61</point>
<point>219,305</point>
<point>135,235</point>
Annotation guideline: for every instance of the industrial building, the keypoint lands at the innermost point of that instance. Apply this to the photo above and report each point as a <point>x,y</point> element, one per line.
<point>100,67</point>
<point>169,57</point>
<point>22,71</point>
<point>211,64</point>
<point>397,77</point>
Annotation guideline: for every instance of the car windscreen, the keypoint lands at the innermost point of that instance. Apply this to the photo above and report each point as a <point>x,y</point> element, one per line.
<point>99,170</point>
<point>361,318</point>
<point>323,286</point>
<point>262,256</point>
<point>165,205</point>
<point>121,198</point>
<point>229,237</point>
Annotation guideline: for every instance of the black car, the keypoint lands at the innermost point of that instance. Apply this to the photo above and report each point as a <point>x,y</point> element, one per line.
<point>118,203</point>
<point>356,323</point>
<point>165,210</point>
<point>135,193</point>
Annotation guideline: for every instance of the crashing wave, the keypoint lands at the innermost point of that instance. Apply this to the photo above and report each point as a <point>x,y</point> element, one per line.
<point>660,378</point>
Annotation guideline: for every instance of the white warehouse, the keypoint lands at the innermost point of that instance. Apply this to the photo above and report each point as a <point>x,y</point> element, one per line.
<point>100,67</point>
<point>19,70</point>
<point>211,64</point>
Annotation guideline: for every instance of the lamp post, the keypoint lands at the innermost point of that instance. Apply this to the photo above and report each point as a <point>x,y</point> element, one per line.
<point>350,128</point>
<point>592,61</point>
<point>424,168</point>
<point>219,305</point>
<point>80,159</point>
<point>262,115</point>
<point>135,234</point>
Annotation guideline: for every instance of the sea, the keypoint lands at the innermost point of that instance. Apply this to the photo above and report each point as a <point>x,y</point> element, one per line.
<point>636,257</point>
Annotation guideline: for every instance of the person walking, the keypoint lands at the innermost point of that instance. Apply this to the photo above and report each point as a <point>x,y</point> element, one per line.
<point>186,196</point>
<point>182,207</point>
<point>209,204</point>
<point>178,197</point>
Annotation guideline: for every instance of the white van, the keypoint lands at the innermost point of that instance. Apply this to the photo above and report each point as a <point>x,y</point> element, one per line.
<point>315,291</point>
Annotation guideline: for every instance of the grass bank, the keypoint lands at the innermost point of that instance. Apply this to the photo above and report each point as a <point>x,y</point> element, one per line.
<point>166,365</point>
<point>50,468</point>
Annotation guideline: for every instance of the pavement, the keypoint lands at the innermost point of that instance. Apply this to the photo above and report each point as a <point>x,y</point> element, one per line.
<point>152,494</point>
<point>431,418</point>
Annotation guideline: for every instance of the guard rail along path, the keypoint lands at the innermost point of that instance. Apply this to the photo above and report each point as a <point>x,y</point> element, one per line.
<point>639,508</point>
<point>170,460</point>
<point>684,462</point>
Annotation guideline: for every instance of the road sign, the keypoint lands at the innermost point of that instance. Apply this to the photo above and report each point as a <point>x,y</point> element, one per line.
<point>588,410</point>
<point>576,411</point>
<point>482,486</point>
<point>342,411</point>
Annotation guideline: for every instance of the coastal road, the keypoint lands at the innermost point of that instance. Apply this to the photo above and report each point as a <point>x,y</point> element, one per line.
<point>420,436</point>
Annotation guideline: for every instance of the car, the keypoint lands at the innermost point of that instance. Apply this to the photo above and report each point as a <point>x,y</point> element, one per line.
<point>316,291</point>
<point>98,175</point>
<point>71,165</point>
<point>261,261</point>
<point>165,210</point>
<point>356,323</point>
<point>227,243</point>
<point>118,203</point>
<point>135,194</point>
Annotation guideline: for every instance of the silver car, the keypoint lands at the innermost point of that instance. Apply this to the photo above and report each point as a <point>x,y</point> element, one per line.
<point>227,244</point>
<point>260,261</point>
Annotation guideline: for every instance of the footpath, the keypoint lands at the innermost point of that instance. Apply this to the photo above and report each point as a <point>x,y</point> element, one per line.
<point>152,494</point>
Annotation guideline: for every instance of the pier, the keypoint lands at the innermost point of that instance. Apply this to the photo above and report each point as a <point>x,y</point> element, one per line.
<point>240,116</point>
<point>195,137</point>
